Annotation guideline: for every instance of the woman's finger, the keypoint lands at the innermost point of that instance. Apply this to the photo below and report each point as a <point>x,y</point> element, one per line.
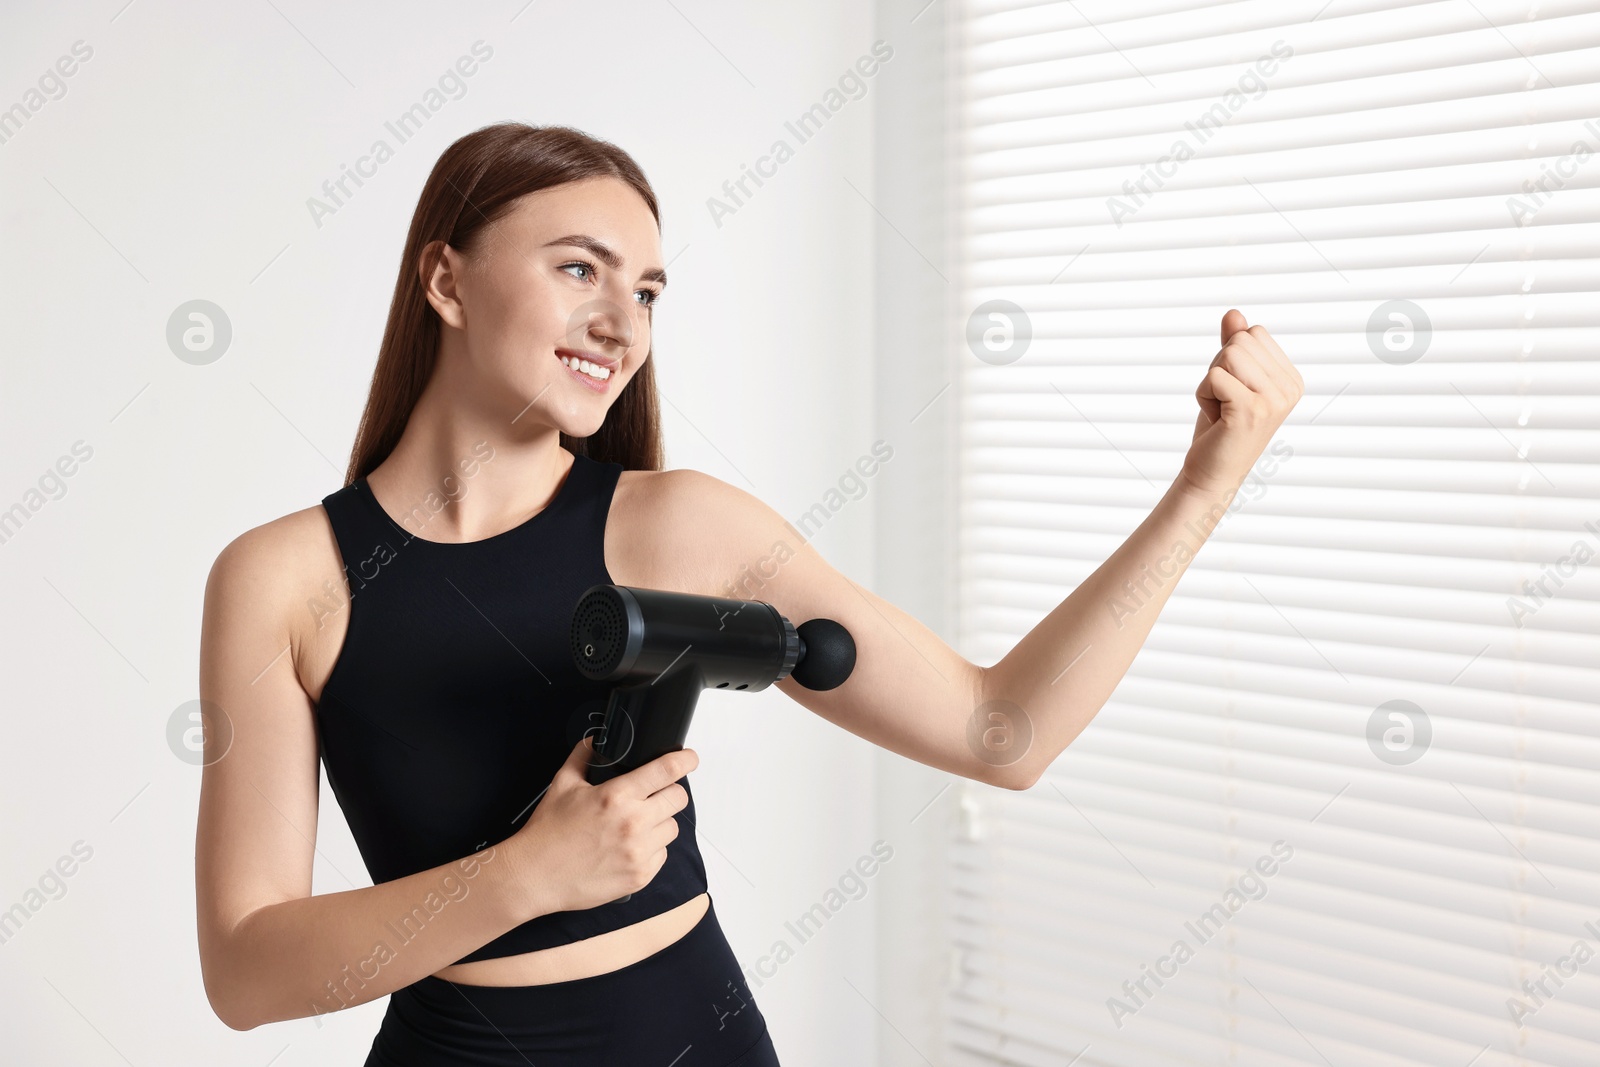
<point>1244,358</point>
<point>1286,370</point>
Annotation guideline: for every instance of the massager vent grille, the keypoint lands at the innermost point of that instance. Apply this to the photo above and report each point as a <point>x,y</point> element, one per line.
<point>599,632</point>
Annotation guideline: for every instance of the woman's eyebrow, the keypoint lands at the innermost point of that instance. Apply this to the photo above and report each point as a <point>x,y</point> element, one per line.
<point>601,251</point>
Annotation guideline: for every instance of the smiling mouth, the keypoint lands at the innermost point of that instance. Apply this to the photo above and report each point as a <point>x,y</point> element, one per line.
<point>592,372</point>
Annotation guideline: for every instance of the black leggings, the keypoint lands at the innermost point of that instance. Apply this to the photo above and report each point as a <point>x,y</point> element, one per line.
<point>684,1006</point>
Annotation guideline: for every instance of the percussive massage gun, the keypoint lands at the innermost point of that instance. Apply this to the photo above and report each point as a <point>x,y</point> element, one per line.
<point>662,648</point>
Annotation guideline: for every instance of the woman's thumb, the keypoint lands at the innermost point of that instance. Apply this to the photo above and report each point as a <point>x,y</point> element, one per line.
<point>1233,321</point>
<point>578,759</point>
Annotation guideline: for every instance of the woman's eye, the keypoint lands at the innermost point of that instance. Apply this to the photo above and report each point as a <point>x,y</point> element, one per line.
<point>592,270</point>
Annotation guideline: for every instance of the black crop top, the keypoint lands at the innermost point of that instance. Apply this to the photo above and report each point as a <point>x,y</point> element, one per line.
<point>454,699</point>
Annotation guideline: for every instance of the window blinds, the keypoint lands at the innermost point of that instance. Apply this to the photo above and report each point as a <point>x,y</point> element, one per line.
<point>1345,807</point>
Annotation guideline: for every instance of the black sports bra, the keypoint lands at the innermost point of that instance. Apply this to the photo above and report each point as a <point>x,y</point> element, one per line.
<point>454,699</point>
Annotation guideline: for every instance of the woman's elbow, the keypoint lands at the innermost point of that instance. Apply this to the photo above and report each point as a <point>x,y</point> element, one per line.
<point>234,1022</point>
<point>225,990</point>
<point>227,1004</point>
<point>1016,775</point>
<point>1001,740</point>
<point>1019,776</point>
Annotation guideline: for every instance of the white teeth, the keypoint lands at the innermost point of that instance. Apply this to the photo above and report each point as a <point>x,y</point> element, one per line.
<point>593,371</point>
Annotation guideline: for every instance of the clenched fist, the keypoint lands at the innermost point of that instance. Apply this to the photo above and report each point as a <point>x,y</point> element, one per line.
<point>1246,394</point>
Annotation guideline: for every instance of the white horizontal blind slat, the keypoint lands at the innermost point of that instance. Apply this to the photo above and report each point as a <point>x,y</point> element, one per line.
<point>1430,535</point>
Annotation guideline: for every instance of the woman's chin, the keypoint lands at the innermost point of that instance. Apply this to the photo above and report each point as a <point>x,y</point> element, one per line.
<point>574,419</point>
<point>573,426</point>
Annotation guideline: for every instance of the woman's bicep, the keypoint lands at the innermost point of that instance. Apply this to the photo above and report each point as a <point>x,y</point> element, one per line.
<point>909,692</point>
<point>256,832</point>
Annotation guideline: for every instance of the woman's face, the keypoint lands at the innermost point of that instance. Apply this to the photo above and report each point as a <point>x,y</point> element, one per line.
<point>570,271</point>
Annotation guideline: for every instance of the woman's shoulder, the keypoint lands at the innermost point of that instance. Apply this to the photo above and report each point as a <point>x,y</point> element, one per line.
<point>273,547</point>
<point>693,529</point>
<point>272,566</point>
<point>280,583</point>
<point>682,498</point>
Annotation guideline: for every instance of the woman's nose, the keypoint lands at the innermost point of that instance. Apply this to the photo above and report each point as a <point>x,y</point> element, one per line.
<point>603,317</point>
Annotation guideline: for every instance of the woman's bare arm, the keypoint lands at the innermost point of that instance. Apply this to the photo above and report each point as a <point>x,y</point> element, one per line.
<point>269,950</point>
<point>1057,678</point>
<point>912,693</point>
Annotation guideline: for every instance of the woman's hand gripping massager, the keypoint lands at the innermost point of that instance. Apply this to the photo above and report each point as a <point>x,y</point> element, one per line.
<point>662,648</point>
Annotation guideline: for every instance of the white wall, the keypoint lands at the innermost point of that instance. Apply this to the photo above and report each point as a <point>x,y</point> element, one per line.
<point>916,412</point>
<point>177,166</point>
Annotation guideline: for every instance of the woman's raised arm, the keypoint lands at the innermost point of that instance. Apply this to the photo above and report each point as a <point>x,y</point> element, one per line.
<point>912,693</point>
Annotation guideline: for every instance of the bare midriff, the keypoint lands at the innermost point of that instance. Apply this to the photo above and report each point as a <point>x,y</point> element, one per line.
<point>583,959</point>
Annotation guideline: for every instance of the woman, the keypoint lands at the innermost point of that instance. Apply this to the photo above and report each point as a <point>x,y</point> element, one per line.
<point>509,456</point>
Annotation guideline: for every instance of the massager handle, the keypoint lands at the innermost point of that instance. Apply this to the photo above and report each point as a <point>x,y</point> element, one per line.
<point>644,722</point>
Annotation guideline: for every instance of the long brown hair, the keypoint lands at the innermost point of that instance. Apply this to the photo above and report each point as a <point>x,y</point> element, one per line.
<point>475,182</point>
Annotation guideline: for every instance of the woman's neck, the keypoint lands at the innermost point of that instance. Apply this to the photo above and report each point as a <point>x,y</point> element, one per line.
<point>467,471</point>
